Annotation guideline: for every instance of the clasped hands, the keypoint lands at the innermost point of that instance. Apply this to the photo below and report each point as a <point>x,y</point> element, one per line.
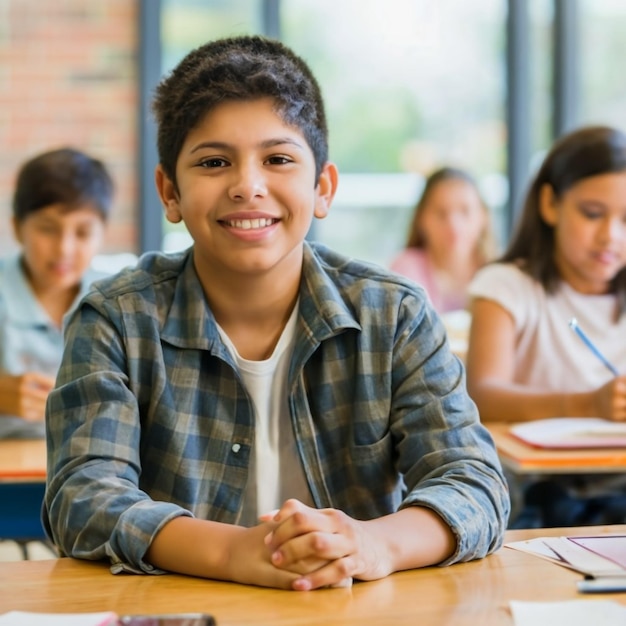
<point>320,547</point>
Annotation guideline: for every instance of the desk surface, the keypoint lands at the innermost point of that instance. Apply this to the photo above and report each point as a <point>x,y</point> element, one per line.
<point>22,459</point>
<point>521,458</point>
<point>466,594</point>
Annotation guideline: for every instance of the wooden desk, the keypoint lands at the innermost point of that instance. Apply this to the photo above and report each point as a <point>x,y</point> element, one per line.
<point>22,459</point>
<point>521,458</point>
<point>467,594</point>
<point>22,486</point>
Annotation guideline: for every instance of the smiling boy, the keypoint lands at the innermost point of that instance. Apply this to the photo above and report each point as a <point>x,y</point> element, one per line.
<point>259,408</point>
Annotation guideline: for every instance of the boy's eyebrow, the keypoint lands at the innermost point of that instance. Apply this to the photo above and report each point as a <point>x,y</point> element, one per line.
<point>268,143</point>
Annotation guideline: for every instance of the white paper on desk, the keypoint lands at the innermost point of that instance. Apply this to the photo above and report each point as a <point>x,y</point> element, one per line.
<point>21,618</point>
<point>565,552</point>
<point>572,613</point>
<point>571,433</point>
<point>611,547</point>
<point>583,560</point>
<point>536,547</point>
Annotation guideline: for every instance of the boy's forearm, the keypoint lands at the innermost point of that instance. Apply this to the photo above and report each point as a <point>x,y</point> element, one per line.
<point>191,546</point>
<point>219,551</point>
<point>414,537</point>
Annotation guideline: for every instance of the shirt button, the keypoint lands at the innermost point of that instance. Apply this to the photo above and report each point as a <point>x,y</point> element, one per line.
<point>236,447</point>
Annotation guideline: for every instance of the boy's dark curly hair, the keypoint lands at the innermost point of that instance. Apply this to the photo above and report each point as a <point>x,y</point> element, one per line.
<point>238,68</point>
<point>64,176</point>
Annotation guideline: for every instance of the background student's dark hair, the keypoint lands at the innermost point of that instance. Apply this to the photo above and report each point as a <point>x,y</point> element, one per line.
<point>242,68</point>
<point>586,152</point>
<point>63,176</point>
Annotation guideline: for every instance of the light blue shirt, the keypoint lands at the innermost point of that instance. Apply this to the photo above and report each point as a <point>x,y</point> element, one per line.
<point>29,340</point>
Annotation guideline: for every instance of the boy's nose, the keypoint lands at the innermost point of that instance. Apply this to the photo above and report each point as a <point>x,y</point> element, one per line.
<point>65,244</point>
<point>248,182</point>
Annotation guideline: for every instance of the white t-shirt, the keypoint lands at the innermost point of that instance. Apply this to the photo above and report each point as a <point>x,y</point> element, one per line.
<point>549,355</point>
<point>276,472</point>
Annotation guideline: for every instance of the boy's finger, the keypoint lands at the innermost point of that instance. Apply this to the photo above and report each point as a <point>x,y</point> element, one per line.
<point>312,546</point>
<point>332,575</point>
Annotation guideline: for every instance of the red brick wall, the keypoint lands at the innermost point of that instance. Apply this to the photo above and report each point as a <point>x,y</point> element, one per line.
<point>68,76</point>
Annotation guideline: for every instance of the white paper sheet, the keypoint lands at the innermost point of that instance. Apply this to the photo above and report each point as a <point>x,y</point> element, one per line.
<point>23,618</point>
<point>571,433</point>
<point>567,553</point>
<point>572,613</point>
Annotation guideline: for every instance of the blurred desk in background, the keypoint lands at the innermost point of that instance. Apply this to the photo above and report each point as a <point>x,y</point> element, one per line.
<point>22,459</point>
<point>521,458</point>
<point>22,487</point>
<point>457,325</point>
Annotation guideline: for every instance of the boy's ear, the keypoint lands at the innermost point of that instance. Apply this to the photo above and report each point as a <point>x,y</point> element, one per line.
<point>547,205</point>
<point>168,194</point>
<point>326,188</point>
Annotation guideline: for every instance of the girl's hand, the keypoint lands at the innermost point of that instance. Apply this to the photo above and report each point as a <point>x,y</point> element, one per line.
<point>25,395</point>
<point>610,400</point>
<point>325,546</point>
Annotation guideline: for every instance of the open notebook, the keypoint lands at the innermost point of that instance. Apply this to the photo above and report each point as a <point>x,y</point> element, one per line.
<point>571,432</point>
<point>601,556</point>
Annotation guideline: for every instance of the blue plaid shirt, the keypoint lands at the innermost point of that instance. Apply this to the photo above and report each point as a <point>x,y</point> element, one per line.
<point>150,420</point>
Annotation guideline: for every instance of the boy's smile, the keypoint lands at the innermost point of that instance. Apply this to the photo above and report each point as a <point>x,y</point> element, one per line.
<point>246,191</point>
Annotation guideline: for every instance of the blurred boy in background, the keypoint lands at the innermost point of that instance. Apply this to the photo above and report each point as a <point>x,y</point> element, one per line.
<point>61,203</point>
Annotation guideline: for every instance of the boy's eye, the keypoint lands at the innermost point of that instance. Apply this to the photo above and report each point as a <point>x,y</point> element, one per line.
<point>213,162</point>
<point>278,160</point>
<point>84,234</point>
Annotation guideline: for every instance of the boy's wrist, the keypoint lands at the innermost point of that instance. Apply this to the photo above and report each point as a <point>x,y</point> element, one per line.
<point>225,557</point>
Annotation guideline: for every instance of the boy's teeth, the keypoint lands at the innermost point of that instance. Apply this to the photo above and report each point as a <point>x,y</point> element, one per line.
<point>250,224</point>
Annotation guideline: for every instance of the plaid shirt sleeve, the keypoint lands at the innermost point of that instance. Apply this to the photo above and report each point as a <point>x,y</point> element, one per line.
<point>94,508</point>
<point>386,415</point>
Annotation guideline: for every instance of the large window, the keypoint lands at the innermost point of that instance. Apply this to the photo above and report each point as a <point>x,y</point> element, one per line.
<point>541,43</point>
<point>400,83</point>
<point>186,24</point>
<point>409,86</point>
<point>603,49</point>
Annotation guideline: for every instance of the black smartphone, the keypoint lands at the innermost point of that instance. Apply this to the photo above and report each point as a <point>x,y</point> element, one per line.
<point>169,619</point>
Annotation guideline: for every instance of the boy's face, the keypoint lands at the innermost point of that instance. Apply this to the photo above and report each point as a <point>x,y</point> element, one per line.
<point>58,245</point>
<point>246,190</point>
